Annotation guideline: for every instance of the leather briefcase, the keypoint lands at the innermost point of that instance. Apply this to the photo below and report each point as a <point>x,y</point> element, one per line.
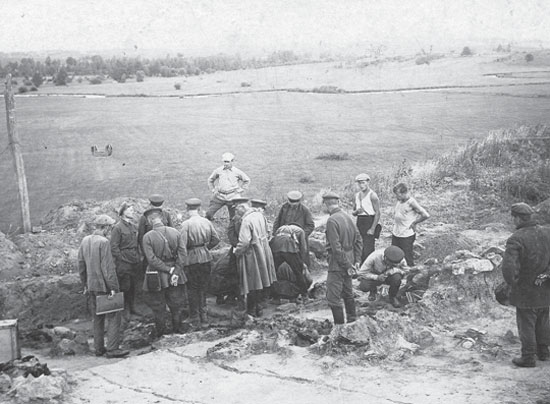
<point>106,304</point>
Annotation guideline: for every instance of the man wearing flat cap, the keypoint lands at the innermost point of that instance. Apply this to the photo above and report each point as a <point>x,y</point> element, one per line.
<point>98,275</point>
<point>383,266</point>
<point>367,210</point>
<point>226,182</point>
<point>198,237</point>
<point>526,267</point>
<point>124,247</point>
<point>344,247</point>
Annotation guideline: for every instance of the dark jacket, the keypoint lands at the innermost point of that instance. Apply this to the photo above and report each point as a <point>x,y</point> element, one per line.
<point>344,242</point>
<point>144,227</point>
<point>124,245</point>
<point>95,264</point>
<point>527,255</point>
<point>299,214</point>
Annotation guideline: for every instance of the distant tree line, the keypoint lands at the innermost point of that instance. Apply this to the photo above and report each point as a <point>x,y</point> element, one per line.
<point>62,72</point>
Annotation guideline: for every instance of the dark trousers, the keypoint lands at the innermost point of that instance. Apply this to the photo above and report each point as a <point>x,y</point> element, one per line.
<point>406,244</point>
<point>364,223</point>
<point>128,277</point>
<point>370,285</point>
<point>113,327</point>
<point>533,330</point>
<point>339,288</point>
<point>296,264</point>
<point>197,283</point>
<point>174,298</point>
<point>216,204</point>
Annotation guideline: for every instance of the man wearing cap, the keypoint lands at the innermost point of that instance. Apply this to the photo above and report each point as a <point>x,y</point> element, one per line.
<point>124,248</point>
<point>164,252</point>
<point>155,201</point>
<point>225,183</point>
<point>344,248</point>
<point>526,267</point>
<point>198,236</point>
<point>289,245</point>
<point>258,204</point>
<point>254,257</point>
<point>97,272</point>
<point>385,265</point>
<point>367,209</point>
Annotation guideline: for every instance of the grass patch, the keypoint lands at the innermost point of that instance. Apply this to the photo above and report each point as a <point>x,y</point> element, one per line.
<point>333,156</point>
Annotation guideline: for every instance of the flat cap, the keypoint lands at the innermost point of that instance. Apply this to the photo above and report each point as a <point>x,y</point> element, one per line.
<point>331,195</point>
<point>522,208</point>
<point>394,254</point>
<point>239,199</point>
<point>147,212</point>
<point>193,202</point>
<point>362,177</point>
<point>103,220</point>
<point>258,203</point>
<point>156,199</point>
<point>294,196</point>
<point>228,156</point>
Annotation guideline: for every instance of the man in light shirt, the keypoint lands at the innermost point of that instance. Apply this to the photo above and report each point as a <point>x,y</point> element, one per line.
<point>225,183</point>
<point>367,210</point>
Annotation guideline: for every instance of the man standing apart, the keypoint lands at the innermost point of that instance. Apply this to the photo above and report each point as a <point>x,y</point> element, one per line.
<point>164,252</point>
<point>198,236</point>
<point>367,210</point>
<point>344,247</point>
<point>124,247</point>
<point>98,274</point>
<point>525,265</point>
<point>225,183</point>
<point>254,258</point>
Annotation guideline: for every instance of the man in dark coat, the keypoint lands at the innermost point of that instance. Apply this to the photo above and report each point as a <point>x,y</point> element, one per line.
<point>344,245</point>
<point>525,265</point>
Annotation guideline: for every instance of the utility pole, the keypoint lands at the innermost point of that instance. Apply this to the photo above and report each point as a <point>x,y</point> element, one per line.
<point>13,140</point>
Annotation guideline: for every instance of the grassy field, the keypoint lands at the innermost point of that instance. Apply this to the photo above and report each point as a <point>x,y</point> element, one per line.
<point>171,145</point>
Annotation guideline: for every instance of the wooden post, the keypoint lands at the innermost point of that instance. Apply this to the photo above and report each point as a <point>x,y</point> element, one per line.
<point>13,141</point>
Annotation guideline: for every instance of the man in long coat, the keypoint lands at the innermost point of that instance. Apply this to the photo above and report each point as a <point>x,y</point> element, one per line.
<point>254,258</point>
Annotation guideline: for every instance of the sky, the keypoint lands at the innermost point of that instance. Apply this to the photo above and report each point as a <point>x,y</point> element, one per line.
<point>231,26</point>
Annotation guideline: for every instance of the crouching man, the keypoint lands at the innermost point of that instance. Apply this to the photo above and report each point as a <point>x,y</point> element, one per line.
<point>383,266</point>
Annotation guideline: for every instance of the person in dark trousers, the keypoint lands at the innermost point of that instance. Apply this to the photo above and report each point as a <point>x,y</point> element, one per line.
<point>124,247</point>
<point>98,273</point>
<point>525,267</point>
<point>198,237</point>
<point>344,246</point>
<point>367,210</point>
<point>164,251</point>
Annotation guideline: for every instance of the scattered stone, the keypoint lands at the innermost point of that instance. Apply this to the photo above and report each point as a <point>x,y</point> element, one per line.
<point>64,332</point>
<point>138,336</point>
<point>472,265</point>
<point>356,333</point>
<point>5,383</point>
<point>42,388</point>
<point>287,308</point>
<point>425,339</point>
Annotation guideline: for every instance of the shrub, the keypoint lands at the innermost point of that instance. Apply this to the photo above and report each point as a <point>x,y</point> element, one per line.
<point>246,84</point>
<point>529,57</point>
<point>333,156</point>
<point>27,82</point>
<point>79,80</point>
<point>306,179</point>
<point>140,76</point>
<point>96,80</point>
<point>61,78</point>
<point>22,89</point>
<point>33,88</point>
<point>177,86</point>
<point>466,51</point>
<point>14,82</point>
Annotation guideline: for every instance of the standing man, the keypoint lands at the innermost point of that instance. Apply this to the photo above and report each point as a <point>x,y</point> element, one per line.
<point>525,267</point>
<point>124,247</point>
<point>289,245</point>
<point>198,236</point>
<point>164,252</point>
<point>254,258</point>
<point>344,247</point>
<point>155,201</point>
<point>367,210</point>
<point>225,183</point>
<point>98,274</point>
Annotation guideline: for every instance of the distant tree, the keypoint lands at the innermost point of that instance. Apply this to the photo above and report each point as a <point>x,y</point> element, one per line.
<point>37,79</point>
<point>140,75</point>
<point>529,57</point>
<point>70,62</point>
<point>22,89</point>
<point>500,48</point>
<point>466,51</point>
<point>61,77</point>
<point>177,86</point>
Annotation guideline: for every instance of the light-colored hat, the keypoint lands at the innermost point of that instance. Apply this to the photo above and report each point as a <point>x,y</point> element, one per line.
<point>193,202</point>
<point>294,196</point>
<point>522,208</point>
<point>362,177</point>
<point>103,220</point>
<point>228,157</point>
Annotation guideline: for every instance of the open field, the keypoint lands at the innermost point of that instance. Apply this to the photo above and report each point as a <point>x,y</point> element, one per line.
<point>170,144</point>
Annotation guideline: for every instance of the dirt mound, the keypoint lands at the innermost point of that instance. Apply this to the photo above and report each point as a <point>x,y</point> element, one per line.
<point>11,258</point>
<point>439,245</point>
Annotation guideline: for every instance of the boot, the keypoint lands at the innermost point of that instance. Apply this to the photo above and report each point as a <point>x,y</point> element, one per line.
<point>176,323</point>
<point>543,353</point>
<point>337,314</point>
<point>351,315</point>
<point>395,302</point>
<point>524,362</point>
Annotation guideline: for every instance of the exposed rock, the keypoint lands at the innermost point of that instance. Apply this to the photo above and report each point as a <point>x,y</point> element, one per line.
<point>317,246</point>
<point>138,336</point>
<point>357,333</point>
<point>42,388</point>
<point>70,347</point>
<point>5,383</point>
<point>10,258</point>
<point>472,265</point>
<point>64,332</point>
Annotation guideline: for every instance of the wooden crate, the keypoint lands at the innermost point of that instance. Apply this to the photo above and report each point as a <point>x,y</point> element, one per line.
<point>9,341</point>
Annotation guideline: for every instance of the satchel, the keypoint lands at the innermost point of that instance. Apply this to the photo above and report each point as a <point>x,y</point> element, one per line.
<point>152,280</point>
<point>377,231</point>
<point>106,304</point>
<point>502,293</point>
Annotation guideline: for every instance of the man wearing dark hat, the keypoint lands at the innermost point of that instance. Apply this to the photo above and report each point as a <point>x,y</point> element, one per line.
<point>124,247</point>
<point>344,247</point>
<point>526,266</point>
<point>164,252</point>
<point>155,201</point>
<point>226,182</point>
<point>385,265</point>
<point>259,204</point>
<point>198,236</point>
<point>98,273</point>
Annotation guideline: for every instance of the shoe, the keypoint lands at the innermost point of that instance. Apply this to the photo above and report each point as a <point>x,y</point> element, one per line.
<point>116,353</point>
<point>395,303</point>
<point>543,353</point>
<point>524,362</point>
<point>100,352</point>
<point>372,296</point>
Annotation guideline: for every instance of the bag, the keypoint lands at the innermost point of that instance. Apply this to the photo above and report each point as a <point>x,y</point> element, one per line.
<point>377,231</point>
<point>152,280</point>
<point>502,293</point>
<point>105,304</point>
